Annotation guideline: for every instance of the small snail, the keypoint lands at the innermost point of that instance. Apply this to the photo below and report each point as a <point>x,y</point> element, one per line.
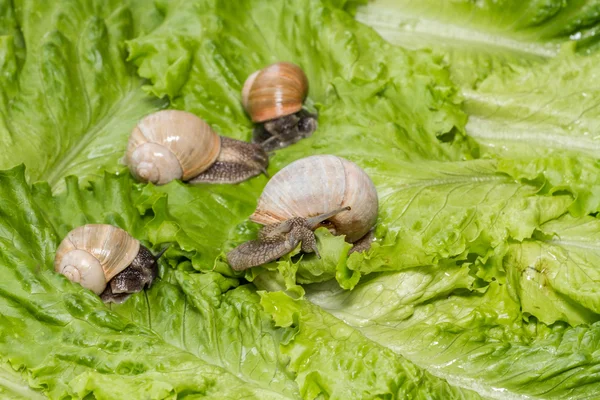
<point>173,144</point>
<point>106,260</point>
<point>315,191</point>
<point>273,97</point>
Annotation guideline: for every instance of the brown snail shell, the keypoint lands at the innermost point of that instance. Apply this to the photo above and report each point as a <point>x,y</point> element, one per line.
<point>93,254</point>
<point>275,91</point>
<point>317,185</point>
<point>169,145</point>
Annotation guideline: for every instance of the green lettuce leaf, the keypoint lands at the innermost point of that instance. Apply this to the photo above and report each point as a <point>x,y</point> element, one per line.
<point>431,212</point>
<point>476,339</point>
<point>448,300</point>
<point>193,334</point>
<point>527,76</point>
<point>556,277</point>
<point>70,103</point>
<point>199,314</point>
<point>14,387</point>
<point>67,342</point>
<point>365,90</point>
<point>530,27</point>
<point>324,352</point>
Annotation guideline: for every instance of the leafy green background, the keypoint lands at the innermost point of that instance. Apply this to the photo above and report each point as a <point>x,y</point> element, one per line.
<point>478,131</point>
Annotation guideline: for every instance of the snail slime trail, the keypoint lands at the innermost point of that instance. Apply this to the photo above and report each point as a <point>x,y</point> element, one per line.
<point>106,260</point>
<point>273,97</point>
<point>316,191</point>
<point>172,144</point>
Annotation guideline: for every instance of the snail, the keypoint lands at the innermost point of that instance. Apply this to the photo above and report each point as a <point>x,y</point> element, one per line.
<point>172,144</point>
<point>273,97</point>
<point>106,260</point>
<point>316,191</point>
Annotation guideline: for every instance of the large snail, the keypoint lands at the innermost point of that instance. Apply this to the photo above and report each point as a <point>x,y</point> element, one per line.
<point>315,191</point>
<point>106,260</point>
<point>173,144</point>
<point>273,97</point>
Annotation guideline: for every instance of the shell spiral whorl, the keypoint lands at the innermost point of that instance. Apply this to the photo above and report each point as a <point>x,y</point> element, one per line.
<point>316,185</point>
<point>169,145</point>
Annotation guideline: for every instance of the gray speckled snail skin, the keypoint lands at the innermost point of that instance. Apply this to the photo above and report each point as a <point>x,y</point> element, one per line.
<point>173,144</point>
<point>322,190</point>
<point>106,260</point>
<point>273,97</point>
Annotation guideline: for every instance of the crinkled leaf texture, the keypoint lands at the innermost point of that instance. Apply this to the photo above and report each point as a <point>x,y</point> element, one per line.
<point>68,97</point>
<point>324,351</point>
<point>479,279</point>
<point>527,72</point>
<point>473,338</point>
<point>71,100</point>
<point>202,335</point>
<point>67,342</point>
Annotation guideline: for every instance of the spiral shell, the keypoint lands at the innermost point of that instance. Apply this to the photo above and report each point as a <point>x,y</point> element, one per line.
<point>316,185</point>
<point>171,144</point>
<point>93,254</point>
<point>275,91</point>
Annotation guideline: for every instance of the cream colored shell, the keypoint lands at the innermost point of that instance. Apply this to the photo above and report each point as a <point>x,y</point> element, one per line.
<point>171,144</point>
<point>93,254</point>
<point>318,184</point>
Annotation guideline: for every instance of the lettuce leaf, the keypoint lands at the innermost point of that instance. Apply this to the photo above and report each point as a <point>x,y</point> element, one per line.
<point>324,352</point>
<point>70,101</point>
<point>14,387</point>
<point>365,90</point>
<point>473,338</point>
<point>431,212</point>
<point>475,195</point>
<point>531,28</point>
<point>558,271</point>
<point>190,334</point>
<point>526,72</point>
<point>65,341</point>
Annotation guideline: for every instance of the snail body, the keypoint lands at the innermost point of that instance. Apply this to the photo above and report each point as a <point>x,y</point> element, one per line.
<point>315,191</point>
<point>106,260</point>
<point>172,144</point>
<point>274,97</point>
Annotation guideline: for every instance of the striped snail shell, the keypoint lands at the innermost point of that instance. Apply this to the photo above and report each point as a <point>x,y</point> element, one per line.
<point>93,254</point>
<point>317,191</point>
<point>316,185</point>
<point>169,145</point>
<point>275,91</point>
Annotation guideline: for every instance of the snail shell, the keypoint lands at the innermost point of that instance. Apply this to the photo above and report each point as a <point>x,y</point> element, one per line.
<point>169,145</point>
<point>316,185</point>
<point>275,91</point>
<point>93,254</point>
